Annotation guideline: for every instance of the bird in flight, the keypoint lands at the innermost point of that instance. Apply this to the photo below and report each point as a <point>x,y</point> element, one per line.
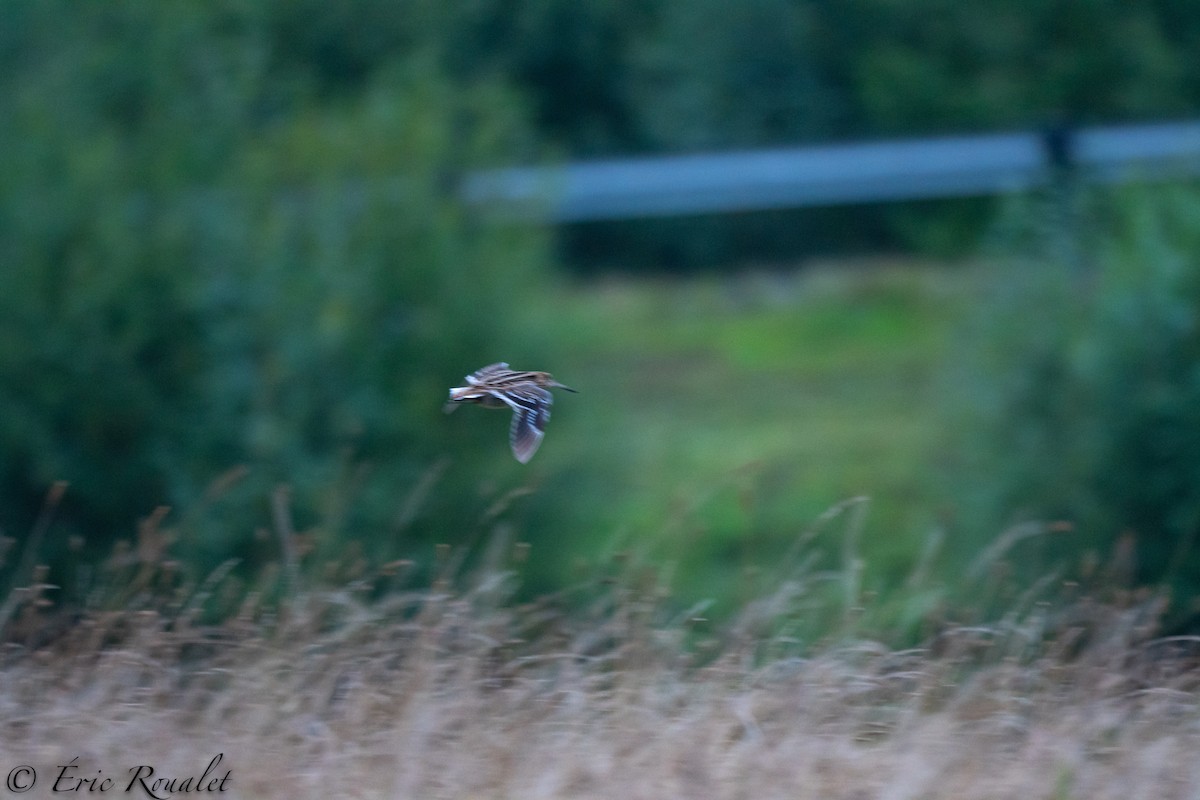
<point>526,393</point>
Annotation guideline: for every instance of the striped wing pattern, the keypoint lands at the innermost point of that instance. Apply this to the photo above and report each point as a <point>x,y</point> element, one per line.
<point>531,412</point>
<point>499,376</point>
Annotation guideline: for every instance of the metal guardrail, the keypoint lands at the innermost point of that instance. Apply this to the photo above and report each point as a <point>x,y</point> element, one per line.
<point>958,166</point>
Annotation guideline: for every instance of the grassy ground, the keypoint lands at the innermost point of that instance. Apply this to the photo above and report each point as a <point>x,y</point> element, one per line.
<point>464,694</point>
<point>719,417</point>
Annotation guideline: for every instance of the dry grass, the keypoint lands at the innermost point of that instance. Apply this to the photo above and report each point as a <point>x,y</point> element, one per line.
<point>467,694</point>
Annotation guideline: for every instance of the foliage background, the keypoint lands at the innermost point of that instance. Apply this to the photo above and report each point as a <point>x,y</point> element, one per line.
<point>233,259</point>
<point>215,257</point>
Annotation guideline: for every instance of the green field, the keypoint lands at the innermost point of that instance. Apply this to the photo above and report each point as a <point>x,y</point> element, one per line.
<point>719,417</point>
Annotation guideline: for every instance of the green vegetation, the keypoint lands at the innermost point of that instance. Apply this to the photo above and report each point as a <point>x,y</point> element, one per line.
<point>606,76</point>
<point>721,417</point>
<point>238,282</point>
<point>217,280</point>
<point>1084,396</point>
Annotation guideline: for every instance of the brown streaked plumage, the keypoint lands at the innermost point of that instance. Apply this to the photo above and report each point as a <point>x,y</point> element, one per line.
<point>526,393</point>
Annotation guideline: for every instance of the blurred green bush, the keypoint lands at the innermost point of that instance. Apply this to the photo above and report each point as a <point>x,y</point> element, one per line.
<point>229,239</point>
<point>1084,386</point>
<point>218,254</point>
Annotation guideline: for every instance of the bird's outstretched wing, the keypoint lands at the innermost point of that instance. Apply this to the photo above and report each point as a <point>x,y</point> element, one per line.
<point>531,411</point>
<point>487,373</point>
